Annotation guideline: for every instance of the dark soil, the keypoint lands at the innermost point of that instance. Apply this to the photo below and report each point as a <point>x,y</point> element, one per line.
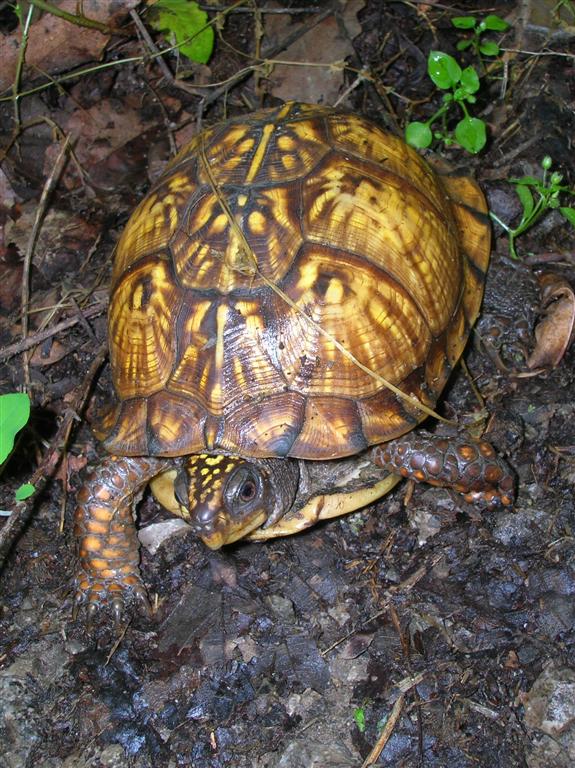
<point>452,624</point>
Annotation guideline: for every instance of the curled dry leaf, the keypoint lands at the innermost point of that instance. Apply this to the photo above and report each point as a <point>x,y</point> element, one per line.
<point>556,328</point>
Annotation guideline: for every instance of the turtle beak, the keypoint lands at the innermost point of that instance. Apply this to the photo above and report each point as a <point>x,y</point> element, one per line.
<point>216,527</point>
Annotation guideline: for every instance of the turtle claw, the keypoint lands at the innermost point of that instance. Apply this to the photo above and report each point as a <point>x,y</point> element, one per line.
<point>114,599</point>
<point>142,603</point>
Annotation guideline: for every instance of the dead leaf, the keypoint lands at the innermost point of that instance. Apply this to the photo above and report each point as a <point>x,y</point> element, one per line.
<point>328,44</point>
<point>56,45</point>
<point>48,353</point>
<point>109,132</point>
<point>70,467</point>
<point>556,328</point>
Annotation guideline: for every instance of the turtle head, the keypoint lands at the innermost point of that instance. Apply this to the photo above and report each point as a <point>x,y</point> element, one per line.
<point>227,497</point>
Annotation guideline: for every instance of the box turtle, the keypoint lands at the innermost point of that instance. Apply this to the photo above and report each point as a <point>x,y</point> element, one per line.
<point>287,304</point>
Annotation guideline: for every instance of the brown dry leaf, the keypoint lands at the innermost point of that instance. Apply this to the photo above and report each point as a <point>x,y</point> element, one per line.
<point>556,328</point>
<point>48,354</point>
<point>55,45</point>
<point>63,242</point>
<point>324,44</point>
<point>10,260</point>
<point>104,128</point>
<point>70,467</point>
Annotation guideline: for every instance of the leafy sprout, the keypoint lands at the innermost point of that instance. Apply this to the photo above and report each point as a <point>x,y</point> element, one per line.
<point>359,718</point>
<point>461,86</point>
<point>537,197</point>
<point>477,42</point>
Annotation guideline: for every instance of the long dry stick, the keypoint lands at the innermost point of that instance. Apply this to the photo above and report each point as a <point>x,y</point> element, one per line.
<point>386,733</point>
<point>48,187</point>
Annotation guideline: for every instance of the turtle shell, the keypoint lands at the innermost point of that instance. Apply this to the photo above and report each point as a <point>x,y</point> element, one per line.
<point>284,265</point>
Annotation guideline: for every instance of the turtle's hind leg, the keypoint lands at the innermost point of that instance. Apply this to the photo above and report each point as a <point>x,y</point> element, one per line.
<point>468,466</point>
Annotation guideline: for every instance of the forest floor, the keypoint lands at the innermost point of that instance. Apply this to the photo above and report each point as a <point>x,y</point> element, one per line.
<point>418,632</point>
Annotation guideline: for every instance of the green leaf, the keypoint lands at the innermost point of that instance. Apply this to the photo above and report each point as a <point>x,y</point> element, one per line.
<point>443,69</point>
<point>25,491</point>
<point>470,133</point>
<point>532,181</point>
<point>464,22</point>
<point>14,414</point>
<point>187,23</point>
<point>526,198</point>
<point>470,80</point>
<point>489,48</point>
<point>569,214</point>
<point>359,718</point>
<point>463,45</point>
<point>418,135</point>
<point>495,23</point>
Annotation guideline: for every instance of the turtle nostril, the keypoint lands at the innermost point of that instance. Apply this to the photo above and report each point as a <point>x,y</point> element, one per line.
<point>205,516</point>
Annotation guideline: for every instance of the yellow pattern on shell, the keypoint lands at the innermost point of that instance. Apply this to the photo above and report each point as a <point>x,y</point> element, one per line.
<point>366,240</point>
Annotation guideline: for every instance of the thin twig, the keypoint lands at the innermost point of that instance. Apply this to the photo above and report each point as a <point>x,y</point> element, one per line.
<point>268,53</point>
<point>38,338</point>
<point>288,11</point>
<point>20,66</point>
<point>146,37</point>
<point>385,734</point>
<point>117,643</point>
<point>49,464</point>
<point>78,19</point>
<point>40,211</point>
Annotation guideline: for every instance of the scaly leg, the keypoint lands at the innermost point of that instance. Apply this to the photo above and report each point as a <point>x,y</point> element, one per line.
<point>106,536</point>
<point>468,466</point>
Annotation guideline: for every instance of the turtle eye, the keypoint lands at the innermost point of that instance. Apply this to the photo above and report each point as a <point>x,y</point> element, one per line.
<point>181,490</point>
<point>244,488</point>
<point>248,490</point>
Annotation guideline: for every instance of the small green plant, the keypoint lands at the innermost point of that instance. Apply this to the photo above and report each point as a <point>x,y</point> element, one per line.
<point>537,196</point>
<point>184,22</point>
<point>566,5</point>
<point>14,414</point>
<point>359,718</point>
<point>480,46</point>
<point>462,85</point>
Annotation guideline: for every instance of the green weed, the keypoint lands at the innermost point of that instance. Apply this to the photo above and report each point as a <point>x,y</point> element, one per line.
<point>537,197</point>
<point>461,86</point>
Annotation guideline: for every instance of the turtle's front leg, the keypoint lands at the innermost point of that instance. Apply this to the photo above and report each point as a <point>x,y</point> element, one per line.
<point>471,467</point>
<point>106,537</point>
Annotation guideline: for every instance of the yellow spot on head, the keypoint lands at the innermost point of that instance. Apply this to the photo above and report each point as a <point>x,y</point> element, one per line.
<point>213,461</point>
